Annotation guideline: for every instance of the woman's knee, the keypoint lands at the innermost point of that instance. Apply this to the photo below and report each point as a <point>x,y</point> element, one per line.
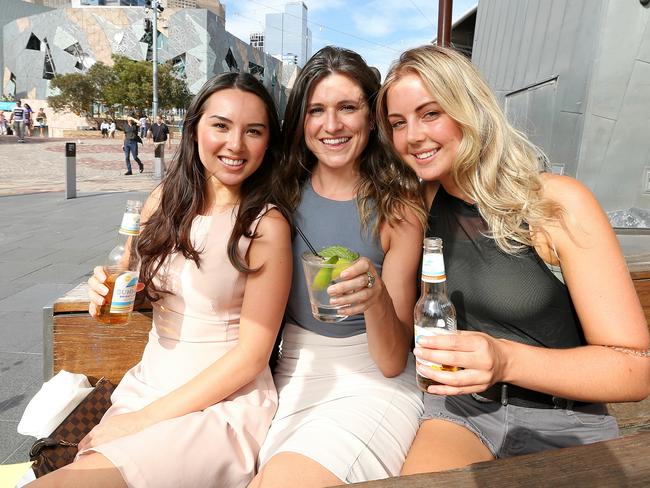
<point>90,470</point>
<point>442,444</point>
<point>293,469</point>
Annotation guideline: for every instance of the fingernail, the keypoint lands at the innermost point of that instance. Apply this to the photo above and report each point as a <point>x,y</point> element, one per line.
<point>417,351</point>
<point>417,339</point>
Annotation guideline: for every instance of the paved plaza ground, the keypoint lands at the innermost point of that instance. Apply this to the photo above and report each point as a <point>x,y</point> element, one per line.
<point>48,245</point>
<point>39,165</point>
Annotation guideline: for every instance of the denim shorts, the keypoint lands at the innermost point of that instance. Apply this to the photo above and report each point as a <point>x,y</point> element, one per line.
<point>512,430</point>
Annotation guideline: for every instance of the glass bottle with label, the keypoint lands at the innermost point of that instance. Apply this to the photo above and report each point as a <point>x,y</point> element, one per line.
<point>123,268</point>
<point>434,313</point>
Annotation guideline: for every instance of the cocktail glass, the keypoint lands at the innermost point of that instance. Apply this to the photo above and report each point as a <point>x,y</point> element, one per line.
<point>320,274</point>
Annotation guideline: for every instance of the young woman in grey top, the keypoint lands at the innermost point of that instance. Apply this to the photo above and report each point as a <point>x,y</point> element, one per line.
<point>348,410</point>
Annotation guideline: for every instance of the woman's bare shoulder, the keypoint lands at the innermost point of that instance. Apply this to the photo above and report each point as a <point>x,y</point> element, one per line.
<point>570,193</point>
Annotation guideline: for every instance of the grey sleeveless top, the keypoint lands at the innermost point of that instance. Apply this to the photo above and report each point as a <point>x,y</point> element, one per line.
<point>325,223</point>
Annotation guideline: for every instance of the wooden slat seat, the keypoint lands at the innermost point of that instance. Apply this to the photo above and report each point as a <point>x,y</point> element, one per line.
<point>77,343</point>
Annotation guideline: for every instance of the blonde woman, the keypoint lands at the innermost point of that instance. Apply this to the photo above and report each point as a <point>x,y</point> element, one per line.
<point>538,355</point>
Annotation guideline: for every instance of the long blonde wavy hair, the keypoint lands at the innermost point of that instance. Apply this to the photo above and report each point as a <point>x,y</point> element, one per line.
<point>495,165</point>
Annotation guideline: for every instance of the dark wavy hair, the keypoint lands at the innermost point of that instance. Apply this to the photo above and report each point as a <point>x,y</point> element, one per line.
<point>183,194</point>
<point>387,185</point>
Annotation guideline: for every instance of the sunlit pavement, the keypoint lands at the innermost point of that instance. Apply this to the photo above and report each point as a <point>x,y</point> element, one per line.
<point>48,245</point>
<point>39,165</point>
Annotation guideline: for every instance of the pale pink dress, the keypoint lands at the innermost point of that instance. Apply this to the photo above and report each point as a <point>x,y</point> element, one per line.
<point>192,328</point>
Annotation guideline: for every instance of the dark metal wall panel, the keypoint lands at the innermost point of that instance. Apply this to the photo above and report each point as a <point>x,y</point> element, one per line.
<point>526,24</point>
<point>518,11</point>
<point>595,120</point>
<point>542,40</point>
<point>628,151</point>
<point>619,92</point>
<point>505,47</point>
<point>550,45</point>
<point>537,42</point>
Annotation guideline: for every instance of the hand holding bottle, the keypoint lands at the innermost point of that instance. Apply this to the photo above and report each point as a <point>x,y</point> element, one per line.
<point>474,361</point>
<point>97,290</point>
<point>118,280</point>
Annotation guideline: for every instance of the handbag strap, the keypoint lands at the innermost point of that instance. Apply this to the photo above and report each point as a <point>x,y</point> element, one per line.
<point>46,442</point>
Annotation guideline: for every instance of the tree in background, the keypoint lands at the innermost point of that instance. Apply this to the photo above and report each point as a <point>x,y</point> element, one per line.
<point>127,83</point>
<point>75,93</point>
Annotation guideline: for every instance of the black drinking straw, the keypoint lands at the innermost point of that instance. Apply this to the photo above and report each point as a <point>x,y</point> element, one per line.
<point>304,238</point>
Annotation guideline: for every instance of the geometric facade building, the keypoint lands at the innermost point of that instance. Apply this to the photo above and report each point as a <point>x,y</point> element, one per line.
<point>286,34</point>
<point>70,40</point>
<point>11,10</point>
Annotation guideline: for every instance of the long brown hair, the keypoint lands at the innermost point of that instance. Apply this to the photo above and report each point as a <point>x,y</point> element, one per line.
<point>183,194</point>
<point>387,185</point>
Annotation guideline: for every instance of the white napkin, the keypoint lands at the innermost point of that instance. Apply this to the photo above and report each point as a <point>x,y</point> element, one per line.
<point>53,402</point>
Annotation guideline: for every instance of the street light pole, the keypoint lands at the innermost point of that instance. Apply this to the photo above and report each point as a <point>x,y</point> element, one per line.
<point>445,8</point>
<point>155,4</point>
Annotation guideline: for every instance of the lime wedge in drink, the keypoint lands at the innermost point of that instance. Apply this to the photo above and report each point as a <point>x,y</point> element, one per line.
<point>340,265</point>
<point>324,276</point>
<point>340,251</point>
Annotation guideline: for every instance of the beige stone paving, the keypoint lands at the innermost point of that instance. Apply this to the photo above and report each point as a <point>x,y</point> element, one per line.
<point>38,165</point>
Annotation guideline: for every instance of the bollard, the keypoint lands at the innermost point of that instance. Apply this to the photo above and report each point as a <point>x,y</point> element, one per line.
<point>70,170</point>
<point>159,160</point>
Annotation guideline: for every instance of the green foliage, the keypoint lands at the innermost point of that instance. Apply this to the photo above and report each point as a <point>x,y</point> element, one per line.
<point>127,83</point>
<point>76,93</point>
<point>172,92</point>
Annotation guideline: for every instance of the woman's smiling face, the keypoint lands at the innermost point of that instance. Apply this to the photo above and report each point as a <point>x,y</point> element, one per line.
<point>424,135</point>
<point>232,135</point>
<point>337,122</point>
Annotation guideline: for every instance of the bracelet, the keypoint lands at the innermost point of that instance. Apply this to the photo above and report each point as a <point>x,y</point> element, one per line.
<point>631,352</point>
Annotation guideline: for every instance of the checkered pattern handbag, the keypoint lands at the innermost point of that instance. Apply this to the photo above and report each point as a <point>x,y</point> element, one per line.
<point>60,448</point>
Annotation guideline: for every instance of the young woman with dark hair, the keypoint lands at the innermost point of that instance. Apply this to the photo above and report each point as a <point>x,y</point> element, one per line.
<point>347,410</point>
<point>216,262</point>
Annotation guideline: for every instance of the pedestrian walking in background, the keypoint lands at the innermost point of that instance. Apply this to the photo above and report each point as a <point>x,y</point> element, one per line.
<point>131,139</point>
<point>29,120</point>
<point>160,134</point>
<point>104,128</point>
<point>143,123</point>
<point>112,129</point>
<point>17,118</point>
<point>3,124</point>
<point>41,120</point>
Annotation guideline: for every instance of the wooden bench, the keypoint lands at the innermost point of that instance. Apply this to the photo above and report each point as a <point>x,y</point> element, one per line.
<point>77,343</point>
<point>621,462</point>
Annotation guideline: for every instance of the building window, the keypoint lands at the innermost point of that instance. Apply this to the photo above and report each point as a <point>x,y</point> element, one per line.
<point>34,43</point>
<point>178,66</point>
<point>76,51</point>
<point>256,70</point>
<point>231,61</point>
<point>48,64</point>
<point>257,40</point>
<point>10,89</point>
